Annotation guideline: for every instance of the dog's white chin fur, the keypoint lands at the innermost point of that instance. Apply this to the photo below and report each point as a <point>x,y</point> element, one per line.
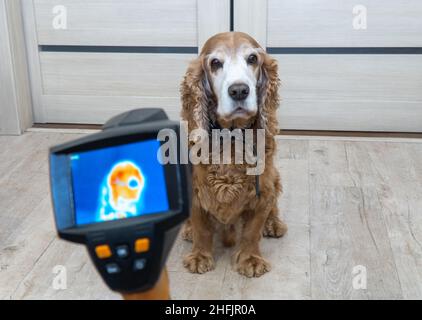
<point>239,112</point>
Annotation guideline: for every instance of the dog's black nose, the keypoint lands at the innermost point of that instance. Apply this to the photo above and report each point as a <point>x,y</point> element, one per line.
<point>239,91</point>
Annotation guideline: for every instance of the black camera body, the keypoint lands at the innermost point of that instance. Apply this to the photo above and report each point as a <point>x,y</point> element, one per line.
<point>130,222</point>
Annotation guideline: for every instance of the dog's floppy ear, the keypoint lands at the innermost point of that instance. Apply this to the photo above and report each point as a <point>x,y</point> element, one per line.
<point>196,96</point>
<point>268,98</point>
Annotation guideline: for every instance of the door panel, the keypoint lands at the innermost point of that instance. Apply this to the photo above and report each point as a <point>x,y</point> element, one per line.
<point>108,74</point>
<point>351,77</point>
<point>119,23</point>
<point>327,23</point>
<point>114,55</point>
<point>351,92</point>
<point>348,91</point>
<point>98,109</point>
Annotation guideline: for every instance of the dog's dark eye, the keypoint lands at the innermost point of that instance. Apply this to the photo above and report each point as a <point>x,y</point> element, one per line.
<point>252,59</point>
<point>216,64</point>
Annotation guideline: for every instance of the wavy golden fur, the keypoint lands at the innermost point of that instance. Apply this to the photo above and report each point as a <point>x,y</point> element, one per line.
<point>223,194</point>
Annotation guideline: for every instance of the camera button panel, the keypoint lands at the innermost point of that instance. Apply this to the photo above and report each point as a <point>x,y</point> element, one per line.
<point>121,258</point>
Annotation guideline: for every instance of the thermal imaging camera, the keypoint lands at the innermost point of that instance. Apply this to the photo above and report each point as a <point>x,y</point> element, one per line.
<point>112,192</point>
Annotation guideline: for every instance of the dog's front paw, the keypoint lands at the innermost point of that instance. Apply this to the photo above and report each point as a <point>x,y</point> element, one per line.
<point>274,228</point>
<point>197,262</point>
<point>252,265</point>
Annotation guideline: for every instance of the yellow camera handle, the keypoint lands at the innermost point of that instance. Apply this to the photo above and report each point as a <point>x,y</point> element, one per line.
<point>161,290</point>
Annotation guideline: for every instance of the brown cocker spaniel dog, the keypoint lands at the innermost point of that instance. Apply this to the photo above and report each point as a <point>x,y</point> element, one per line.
<point>233,84</point>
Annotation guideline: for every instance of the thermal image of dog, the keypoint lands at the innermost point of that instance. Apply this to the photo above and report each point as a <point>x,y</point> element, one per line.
<point>122,191</point>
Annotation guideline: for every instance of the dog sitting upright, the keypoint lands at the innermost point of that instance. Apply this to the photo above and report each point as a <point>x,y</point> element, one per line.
<point>233,84</point>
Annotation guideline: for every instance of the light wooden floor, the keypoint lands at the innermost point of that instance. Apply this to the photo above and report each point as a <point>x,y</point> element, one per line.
<point>347,202</point>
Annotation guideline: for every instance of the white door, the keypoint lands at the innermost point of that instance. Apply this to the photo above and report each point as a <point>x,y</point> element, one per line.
<point>344,65</point>
<point>92,59</point>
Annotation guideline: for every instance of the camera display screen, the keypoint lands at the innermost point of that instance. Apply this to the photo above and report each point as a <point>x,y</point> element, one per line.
<point>118,182</point>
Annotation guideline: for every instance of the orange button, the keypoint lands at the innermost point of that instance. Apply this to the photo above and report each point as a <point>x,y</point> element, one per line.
<point>142,245</point>
<point>103,251</point>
